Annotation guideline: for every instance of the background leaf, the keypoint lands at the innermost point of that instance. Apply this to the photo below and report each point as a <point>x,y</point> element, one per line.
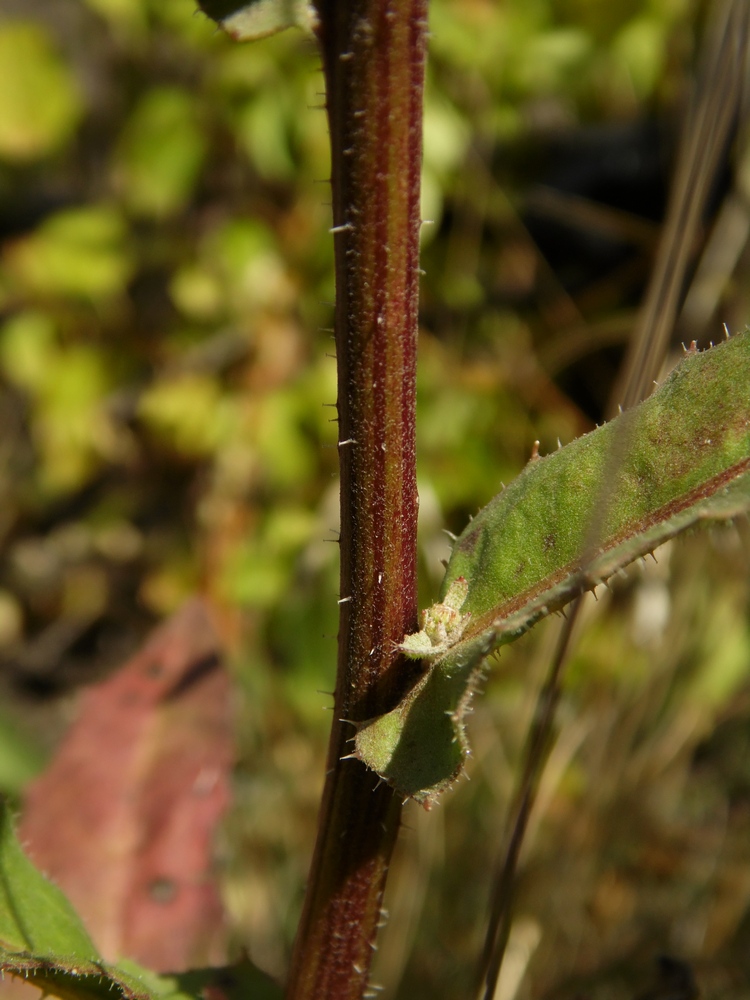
<point>124,818</point>
<point>40,101</point>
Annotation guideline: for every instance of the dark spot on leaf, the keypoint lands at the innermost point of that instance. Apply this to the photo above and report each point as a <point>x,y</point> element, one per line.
<point>162,890</point>
<point>549,542</point>
<point>197,671</point>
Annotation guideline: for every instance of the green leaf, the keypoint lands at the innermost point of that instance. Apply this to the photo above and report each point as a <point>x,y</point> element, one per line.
<point>77,253</point>
<point>34,915</point>
<point>76,980</point>
<point>190,412</point>
<point>569,521</point>
<point>67,385</point>
<point>40,103</point>
<point>259,17</point>
<point>161,153</point>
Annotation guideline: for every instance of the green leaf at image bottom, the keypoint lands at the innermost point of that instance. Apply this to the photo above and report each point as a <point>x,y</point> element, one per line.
<point>43,941</point>
<point>568,522</point>
<point>35,917</point>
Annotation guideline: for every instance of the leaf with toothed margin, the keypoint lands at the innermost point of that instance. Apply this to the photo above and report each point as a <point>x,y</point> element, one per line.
<point>568,522</point>
<point>245,21</point>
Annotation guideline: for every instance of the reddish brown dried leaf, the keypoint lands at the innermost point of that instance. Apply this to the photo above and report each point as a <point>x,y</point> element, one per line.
<point>124,818</point>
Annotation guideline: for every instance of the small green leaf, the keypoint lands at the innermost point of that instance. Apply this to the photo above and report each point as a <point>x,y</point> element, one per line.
<point>161,153</point>
<point>77,252</point>
<point>40,103</point>
<point>568,522</point>
<point>190,413</point>
<point>246,21</point>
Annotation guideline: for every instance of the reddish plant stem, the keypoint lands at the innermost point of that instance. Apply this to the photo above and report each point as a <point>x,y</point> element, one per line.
<point>373,56</point>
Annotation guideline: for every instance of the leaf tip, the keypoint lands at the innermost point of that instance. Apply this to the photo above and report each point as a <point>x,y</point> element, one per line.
<point>246,20</point>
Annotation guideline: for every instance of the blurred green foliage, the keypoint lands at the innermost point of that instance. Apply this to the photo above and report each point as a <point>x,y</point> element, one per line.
<point>166,381</point>
<point>40,103</point>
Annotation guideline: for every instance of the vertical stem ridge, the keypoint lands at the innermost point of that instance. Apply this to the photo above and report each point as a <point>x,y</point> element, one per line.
<point>373,56</point>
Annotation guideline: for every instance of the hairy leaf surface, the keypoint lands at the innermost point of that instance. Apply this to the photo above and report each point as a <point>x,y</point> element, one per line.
<point>569,521</point>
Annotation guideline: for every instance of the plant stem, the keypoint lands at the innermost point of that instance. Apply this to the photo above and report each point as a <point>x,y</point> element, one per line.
<point>373,56</point>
